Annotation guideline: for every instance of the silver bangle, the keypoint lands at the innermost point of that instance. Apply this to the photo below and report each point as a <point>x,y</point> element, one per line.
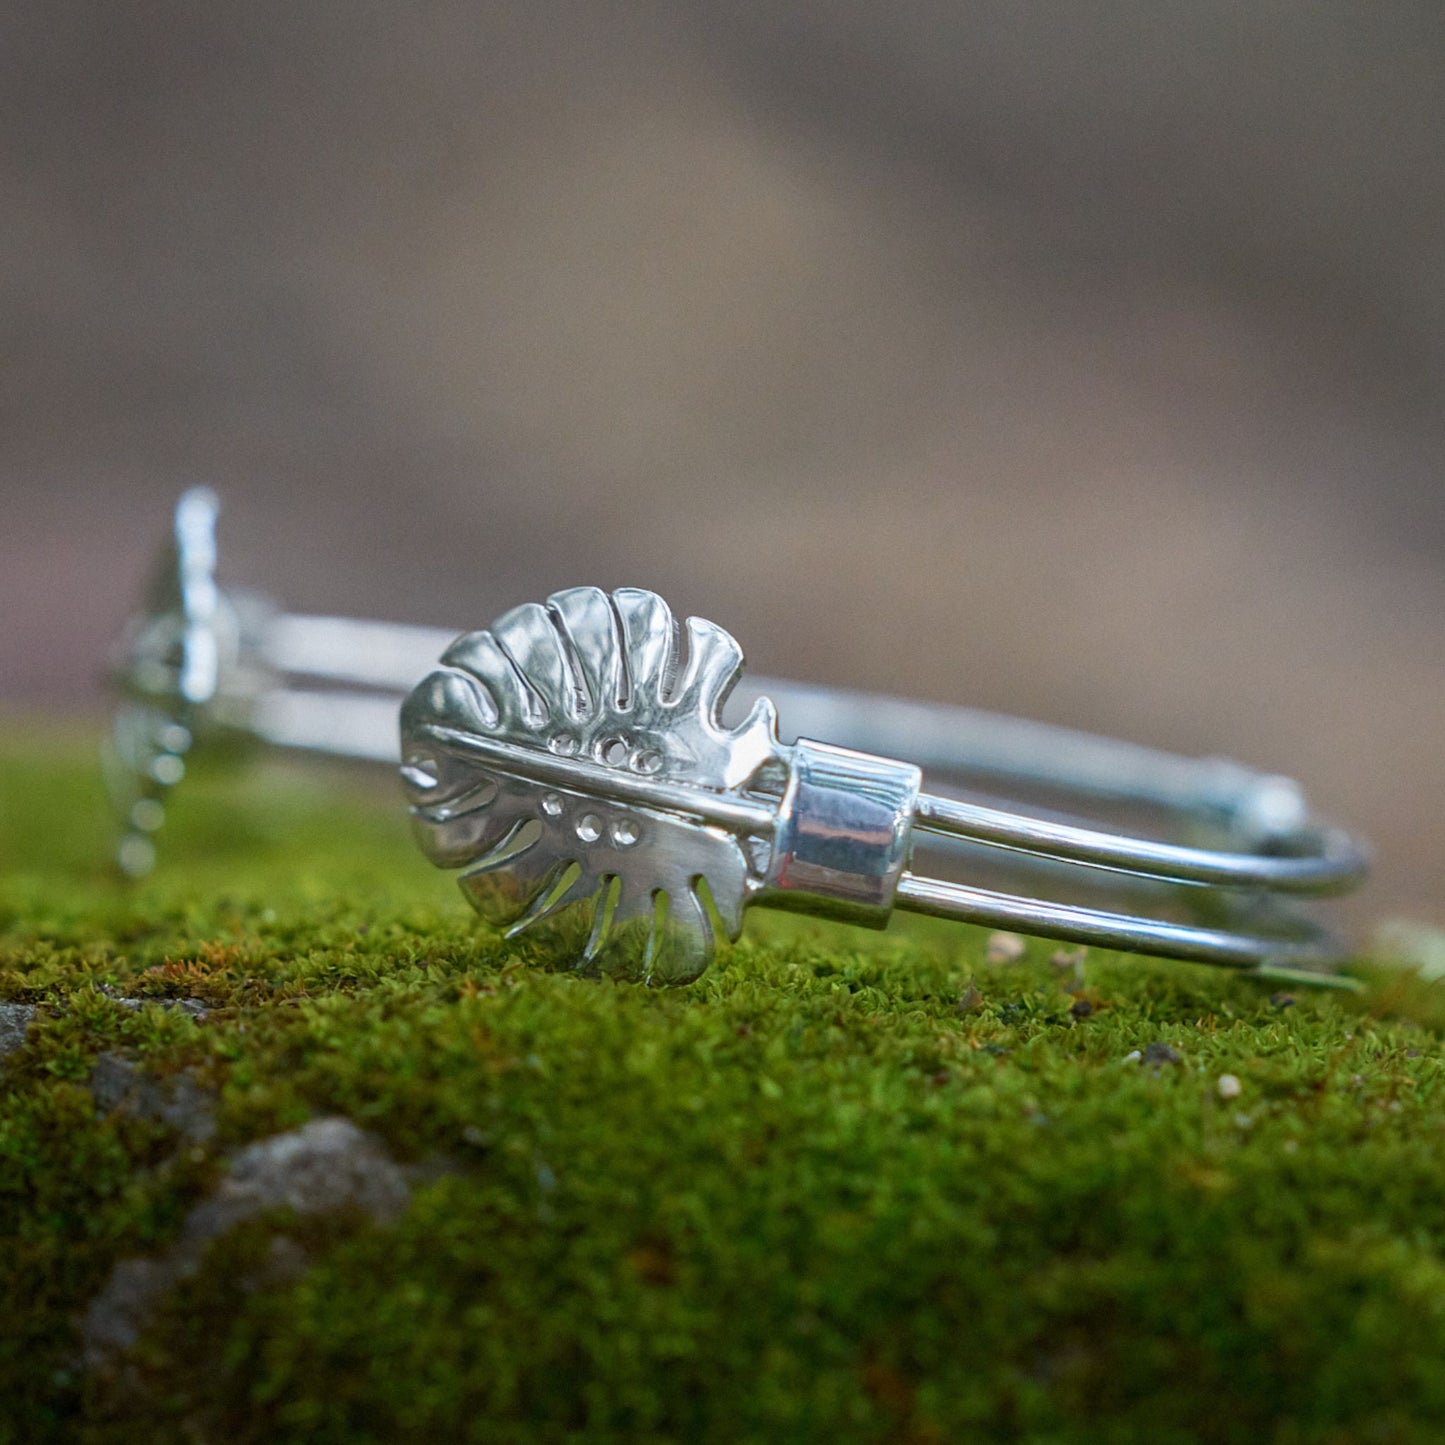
<point>576,762</point>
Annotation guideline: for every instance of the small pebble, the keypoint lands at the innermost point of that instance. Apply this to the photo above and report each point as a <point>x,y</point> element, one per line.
<point>1005,948</point>
<point>1159,1053</point>
<point>1068,967</point>
<point>1229,1086</point>
<point>15,1020</point>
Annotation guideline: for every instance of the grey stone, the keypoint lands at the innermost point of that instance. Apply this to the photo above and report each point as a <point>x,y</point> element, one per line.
<point>117,1083</point>
<point>324,1167</point>
<point>111,1080</point>
<point>192,1006</point>
<point>15,1019</point>
<point>112,1323</point>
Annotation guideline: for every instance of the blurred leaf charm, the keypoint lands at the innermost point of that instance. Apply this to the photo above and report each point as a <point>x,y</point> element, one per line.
<point>188,668</point>
<point>577,768</point>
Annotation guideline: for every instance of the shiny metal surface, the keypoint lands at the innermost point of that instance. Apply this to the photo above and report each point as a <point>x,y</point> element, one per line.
<point>1280,958</point>
<point>576,768</point>
<point>613,781</point>
<point>1332,861</point>
<point>843,834</point>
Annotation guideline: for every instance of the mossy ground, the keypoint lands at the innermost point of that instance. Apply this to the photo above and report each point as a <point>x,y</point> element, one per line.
<point>849,1187</point>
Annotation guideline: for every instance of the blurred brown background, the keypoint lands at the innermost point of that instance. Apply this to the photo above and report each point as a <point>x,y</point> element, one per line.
<point>1085,361</point>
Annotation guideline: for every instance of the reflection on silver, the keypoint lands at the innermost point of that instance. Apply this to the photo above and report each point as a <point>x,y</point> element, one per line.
<point>610,781</point>
<point>581,775</point>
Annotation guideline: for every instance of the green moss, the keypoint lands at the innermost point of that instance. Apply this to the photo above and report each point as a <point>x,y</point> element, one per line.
<point>847,1188</point>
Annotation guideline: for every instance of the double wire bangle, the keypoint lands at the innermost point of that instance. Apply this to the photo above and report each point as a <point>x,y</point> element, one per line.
<point>612,782</point>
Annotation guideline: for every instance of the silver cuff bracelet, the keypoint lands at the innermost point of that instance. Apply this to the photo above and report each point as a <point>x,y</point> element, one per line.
<point>614,782</point>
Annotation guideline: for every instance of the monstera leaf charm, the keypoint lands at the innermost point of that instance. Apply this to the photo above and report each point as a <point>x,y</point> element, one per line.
<point>575,766</point>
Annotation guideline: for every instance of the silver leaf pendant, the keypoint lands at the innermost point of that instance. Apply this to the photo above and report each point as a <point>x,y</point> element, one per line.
<point>571,760</point>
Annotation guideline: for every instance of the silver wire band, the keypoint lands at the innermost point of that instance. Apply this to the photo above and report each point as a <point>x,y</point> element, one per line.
<point>1334,865</point>
<point>953,740</point>
<point>937,737</point>
<point>1254,811</point>
<point>1284,959</point>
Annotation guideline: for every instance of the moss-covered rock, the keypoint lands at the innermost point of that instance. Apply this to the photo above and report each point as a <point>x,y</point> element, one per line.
<point>847,1188</point>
